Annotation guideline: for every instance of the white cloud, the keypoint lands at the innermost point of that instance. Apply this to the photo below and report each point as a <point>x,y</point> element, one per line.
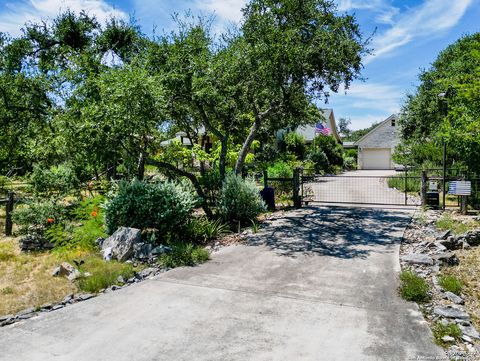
<point>225,10</point>
<point>384,11</point>
<point>366,103</point>
<point>431,18</point>
<point>16,14</point>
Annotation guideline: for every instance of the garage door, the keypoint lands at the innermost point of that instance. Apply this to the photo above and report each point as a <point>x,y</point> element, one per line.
<point>376,159</point>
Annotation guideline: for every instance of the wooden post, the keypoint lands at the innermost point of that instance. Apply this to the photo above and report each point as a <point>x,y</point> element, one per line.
<point>297,200</point>
<point>424,188</point>
<point>9,210</point>
<point>265,178</point>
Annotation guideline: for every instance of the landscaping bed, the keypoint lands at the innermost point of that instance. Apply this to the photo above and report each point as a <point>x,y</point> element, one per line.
<point>440,271</point>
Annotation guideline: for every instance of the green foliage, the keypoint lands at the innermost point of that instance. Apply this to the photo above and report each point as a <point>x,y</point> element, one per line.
<point>450,283</point>
<point>281,169</point>
<point>427,120</point>
<point>38,214</point>
<point>240,199</point>
<point>355,135</point>
<point>201,229</point>
<point>326,154</point>
<point>165,206</point>
<point>103,274</point>
<point>413,185</point>
<point>350,163</point>
<point>457,226</point>
<point>87,226</point>
<point>440,330</point>
<point>54,181</point>
<point>413,287</point>
<point>183,254</point>
<point>295,144</point>
<point>4,184</point>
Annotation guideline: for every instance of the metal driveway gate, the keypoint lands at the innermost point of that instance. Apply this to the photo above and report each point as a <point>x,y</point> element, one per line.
<point>398,189</point>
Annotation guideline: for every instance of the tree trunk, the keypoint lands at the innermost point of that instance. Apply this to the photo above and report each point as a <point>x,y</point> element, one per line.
<point>190,176</point>
<point>141,165</point>
<point>246,146</point>
<point>223,157</point>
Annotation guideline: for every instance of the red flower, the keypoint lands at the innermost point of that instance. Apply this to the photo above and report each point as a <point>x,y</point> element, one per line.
<point>94,214</point>
<point>50,220</point>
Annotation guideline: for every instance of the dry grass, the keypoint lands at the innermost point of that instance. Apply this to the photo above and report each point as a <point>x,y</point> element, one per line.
<point>468,272</point>
<point>457,223</point>
<point>25,279</point>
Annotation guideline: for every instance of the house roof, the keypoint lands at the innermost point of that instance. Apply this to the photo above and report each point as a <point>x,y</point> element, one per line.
<point>374,130</point>
<point>308,131</point>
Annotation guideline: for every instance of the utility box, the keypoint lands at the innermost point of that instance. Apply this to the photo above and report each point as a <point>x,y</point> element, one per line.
<point>433,199</point>
<point>268,196</point>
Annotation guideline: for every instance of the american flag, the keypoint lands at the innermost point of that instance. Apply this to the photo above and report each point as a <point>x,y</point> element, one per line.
<point>322,129</point>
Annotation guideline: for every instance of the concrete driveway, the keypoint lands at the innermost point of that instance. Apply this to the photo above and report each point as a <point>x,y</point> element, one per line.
<point>319,284</point>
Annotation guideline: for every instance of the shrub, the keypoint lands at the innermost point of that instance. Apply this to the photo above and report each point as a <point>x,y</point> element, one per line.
<point>165,206</point>
<point>295,144</point>
<point>240,199</point>
<point>440,330</point>
<point>4,184</point>
<point>280,169</point>
<point>211,183</point>
<point>103,274</point>
<point>88,226</point>
<point>38,214</point>
<point>183,254</point>
<point>319,160</point>
<point>202,230</point>
<point>350,163</point>
<point>450,283</point>
<point>59,180</point>
<point>413,287</point>
<point>332,151</point>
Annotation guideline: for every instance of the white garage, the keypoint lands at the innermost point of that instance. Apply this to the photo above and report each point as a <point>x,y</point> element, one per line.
<point>375,158</point>
<point>375,149</point>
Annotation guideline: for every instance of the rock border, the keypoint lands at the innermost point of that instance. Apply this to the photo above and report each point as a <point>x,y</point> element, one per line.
<point>71,299</point>
<point>423,250</point>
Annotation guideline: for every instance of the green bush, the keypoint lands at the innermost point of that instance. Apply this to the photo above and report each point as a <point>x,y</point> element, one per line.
<point>413,287</point>
<point>85,228</point>
<point>295,144</point>
<point>57,181</point>
<point>450,283</point>
<point>38,214</point>
<point>201,229</point>
<point>165,206</point>
<point>319,160</point>
<point>240,200</point>
<point>350,163</point>
<point>332,150</point>
<point>103,274</point>
<point>440,330</point>
<point>280,169</point>
<point>183,254</point>
<point>4,184</point>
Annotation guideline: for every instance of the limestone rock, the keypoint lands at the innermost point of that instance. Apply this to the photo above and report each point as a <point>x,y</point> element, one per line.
<point>417,258</point>
<point>448,258</point>
<point>454,298</point>
<point>450,312</point>
<point>120,245</point>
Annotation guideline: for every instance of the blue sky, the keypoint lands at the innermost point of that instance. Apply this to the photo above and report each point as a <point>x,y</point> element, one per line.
<point>409,35</point>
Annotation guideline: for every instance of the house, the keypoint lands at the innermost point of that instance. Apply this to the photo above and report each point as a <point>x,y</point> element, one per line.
<point>375,148</point>
<point>309,133</point>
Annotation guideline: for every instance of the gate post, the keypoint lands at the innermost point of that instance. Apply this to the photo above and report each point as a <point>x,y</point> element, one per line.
<point>297,200</point>
<point>8,217</point>
<point>424,188</point>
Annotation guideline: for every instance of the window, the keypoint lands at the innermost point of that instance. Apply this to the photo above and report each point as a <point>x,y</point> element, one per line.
<point>393,122</point>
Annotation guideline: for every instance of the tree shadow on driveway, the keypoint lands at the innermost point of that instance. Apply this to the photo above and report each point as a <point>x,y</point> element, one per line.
<point>343,232</point>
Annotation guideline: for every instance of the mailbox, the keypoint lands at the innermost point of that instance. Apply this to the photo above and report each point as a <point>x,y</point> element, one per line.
<point>433,199</point>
